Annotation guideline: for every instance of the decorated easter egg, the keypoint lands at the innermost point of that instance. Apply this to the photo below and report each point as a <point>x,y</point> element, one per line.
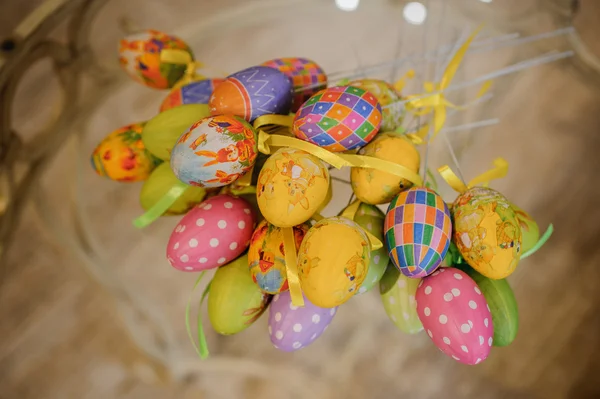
<point>212,234</point>
<point>530,232</point>
<point>160,133</point>
<point>234,301</point>
<point>122,156</point>
<point>291,186</point>
<point>398,298</point>
<point>486,232</point>
<point>197,92</point>
<point>338,118</point>
<point>417,231</point>
<point>330,277</point>
<point>266,256</point>
<point>253,92</point>
<point>378,187</point>
<point>214,151</point>
<point>307,77</point>
<point>292,328</point>
<point>140,56</point>
<point>455,315</point>
<point>502,305</point>
<point>371,218</point>
<point>160,182</point>
<point>385,95</point>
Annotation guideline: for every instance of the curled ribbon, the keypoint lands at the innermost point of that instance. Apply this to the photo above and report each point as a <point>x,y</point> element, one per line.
<point>436,102</point>
<point>202,347</point>
<point>400,83</point>
<point>540,243</point>
<point>499,170</point>
<point>291,266</point>
<point>351,210</point>
<point>181,57</point>
<point>162,205</point>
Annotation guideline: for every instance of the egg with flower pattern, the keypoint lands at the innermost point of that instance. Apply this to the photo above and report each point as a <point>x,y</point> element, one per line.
<point>338,118</point>
<point>418,230</point>
<point>215,151</point>
<point>122,156</point>
<point>140,57</point>
<point>266,256</point>
<point>455,315</point>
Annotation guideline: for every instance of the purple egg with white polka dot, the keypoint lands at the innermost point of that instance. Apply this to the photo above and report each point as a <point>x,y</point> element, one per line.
<point>291,327</point>
<point>212,234</point>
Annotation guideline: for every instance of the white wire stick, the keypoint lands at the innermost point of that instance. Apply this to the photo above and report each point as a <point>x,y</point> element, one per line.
<point>472,125</point>
<point>544,59</point>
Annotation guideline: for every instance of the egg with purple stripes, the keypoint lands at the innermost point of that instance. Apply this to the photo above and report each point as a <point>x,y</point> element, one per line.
<point>307,77</point>
<point>418,230</point>
<point>197,92</point>
<point>339,118</point>
<point>253,92</point>
<point>291,327</point>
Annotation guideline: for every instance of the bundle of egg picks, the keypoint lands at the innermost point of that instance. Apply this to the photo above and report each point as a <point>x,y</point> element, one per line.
<point>246,160</point>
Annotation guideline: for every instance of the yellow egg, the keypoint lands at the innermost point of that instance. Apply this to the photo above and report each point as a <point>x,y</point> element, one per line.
<point>486,232</point>
<point>122,156</point>
<point>377,187</point>
<point>333,261</point>
<point>292,184</point>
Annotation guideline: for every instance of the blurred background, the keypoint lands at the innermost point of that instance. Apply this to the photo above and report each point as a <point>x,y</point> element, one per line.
<point>89,306</point>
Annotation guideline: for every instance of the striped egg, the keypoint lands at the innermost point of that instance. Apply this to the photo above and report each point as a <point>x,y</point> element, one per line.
<point>418,230</point>
<point>339,118</point>
<point>197,92</point>
<point>253,92</point>
<point>456,316</point>
<point>307,77</point>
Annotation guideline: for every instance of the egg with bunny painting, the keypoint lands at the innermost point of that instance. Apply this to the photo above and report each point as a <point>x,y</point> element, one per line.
<point>215,151</point>
<point>292,184</point>
<point>333,261</point>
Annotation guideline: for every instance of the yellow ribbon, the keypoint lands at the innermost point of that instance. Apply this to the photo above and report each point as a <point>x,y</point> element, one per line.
<point>181,57</point>
<point>351,210</point>
<point>337,160</point>
<point>291,266</point>
<point>400,83</point>
<point>499,170</point>
<point>436,102</point>
<point>280,120</point>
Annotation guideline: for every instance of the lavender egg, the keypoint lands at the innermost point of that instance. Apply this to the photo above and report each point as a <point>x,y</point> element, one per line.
<point>291,327</point>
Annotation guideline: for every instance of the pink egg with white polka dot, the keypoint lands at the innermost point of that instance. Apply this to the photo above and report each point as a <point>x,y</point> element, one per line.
<point>212,234</point>
<point>291,327</point>
<point>455,315</point>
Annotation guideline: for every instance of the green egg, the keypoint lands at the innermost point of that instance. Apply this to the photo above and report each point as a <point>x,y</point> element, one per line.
<point>160,182</point>
<point>161,132</point>
<point>502,303</point>
<point>398,298</point>
<point>234,300</point>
